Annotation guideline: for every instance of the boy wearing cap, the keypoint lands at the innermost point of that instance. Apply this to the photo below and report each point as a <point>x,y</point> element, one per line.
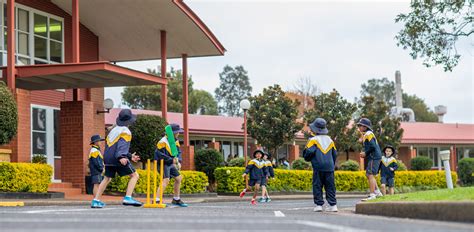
<point>96,162</point>
<point>371,153</point>
<point>321,151</point>
<point>255,171</point>
<point>117,159</point>
<point>387,169</point>
<point>267,173</point>
<point>171,165</point>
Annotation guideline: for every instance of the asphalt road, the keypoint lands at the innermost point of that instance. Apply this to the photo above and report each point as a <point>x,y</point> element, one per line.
<point>285,215</point>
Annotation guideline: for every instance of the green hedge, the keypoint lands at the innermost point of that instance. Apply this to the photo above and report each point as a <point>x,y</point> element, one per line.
<point>229,180</point>
<point>25,177</point>
<point>466,171</point>
<point>193,182</point>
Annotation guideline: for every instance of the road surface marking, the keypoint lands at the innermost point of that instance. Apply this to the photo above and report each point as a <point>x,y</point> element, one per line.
<point>328,226</point>
<point>64,210</point>
<point>279,214</point>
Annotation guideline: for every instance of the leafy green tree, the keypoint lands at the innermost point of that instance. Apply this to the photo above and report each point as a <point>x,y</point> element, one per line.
<point>202,102</point>
<point>338,112</point>
<point>383,89</point>
<point>386,129</point>
<point>272,118</point>
<point>418,105</point>
<point>234,87</point>
<point>432,29</point>
<point>146,131</point>
<point>149,97</point>
<point>8,115</point>
<point>207,160</point>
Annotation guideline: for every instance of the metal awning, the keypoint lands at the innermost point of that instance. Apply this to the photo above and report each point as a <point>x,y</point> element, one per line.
<point>81,75</point>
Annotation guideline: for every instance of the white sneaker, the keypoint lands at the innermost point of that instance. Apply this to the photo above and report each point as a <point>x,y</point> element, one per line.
<point>378,193</point>
<point>332,208</point>
<point>318,208</point>
<point>372,196</point>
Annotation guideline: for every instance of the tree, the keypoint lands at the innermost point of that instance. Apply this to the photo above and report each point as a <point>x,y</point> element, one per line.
<point>338,112</point>
<point>8,115</point>
<point>383,89</point>
<point>202,102</point>
<point>234,87</point>
<point>149,97</point>
<point>432,29</point>
<point>272,118</point>
<point>386,129</point>
<point>418,105</point>
<point>146,131</point>
<point>305,87</point>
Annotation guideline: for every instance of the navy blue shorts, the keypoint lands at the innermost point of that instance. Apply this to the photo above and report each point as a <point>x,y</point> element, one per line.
<point>253,182</point>
<point>111,171</point>
<point>96,179</point>
<point>263,182</point>
<point>389,181</point>
<point>170,171</point>
<point>372,167</point>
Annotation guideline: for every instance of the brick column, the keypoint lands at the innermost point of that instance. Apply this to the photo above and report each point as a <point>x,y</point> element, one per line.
<point>453,159</point>
<point>76,127</point>
<point>412,155</point>
<point>188,158</point>
<point>21,143</point>
<point>293,153</point>
<point>214,145</point>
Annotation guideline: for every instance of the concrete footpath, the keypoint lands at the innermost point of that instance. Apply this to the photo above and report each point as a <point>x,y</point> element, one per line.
<point>117,200</point>
<point>461,211</point>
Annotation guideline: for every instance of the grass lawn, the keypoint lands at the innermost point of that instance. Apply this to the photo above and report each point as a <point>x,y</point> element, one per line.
<point>456,194</point>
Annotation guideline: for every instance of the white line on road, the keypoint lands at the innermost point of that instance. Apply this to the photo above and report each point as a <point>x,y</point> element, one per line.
<point>279,214</point>
<point>328,226</point>
<point>63,210</point>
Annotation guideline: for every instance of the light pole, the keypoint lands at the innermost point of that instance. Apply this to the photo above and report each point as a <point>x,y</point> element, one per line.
<point>245,105</point>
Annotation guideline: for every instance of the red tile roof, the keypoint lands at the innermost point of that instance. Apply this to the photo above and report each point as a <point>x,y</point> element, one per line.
<point>437,133</point>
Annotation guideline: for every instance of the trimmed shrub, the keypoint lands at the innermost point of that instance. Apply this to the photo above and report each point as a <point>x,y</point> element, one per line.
<point>8,115</point>
<point>206,160</point>
<point>466,171</point>
<point>349,165</point>
<point>401,166</point>
<point>146,132</point>
<point>236,162</point>
<point>39,159</point>
<point>25,177</point>
<point>421,163</point>
<point>193,182</point>
<point>301,164</point>
<point>229,180</point>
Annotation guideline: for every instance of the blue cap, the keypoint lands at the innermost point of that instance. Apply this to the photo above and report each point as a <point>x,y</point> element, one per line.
<point>319,126</point>
<point>126,118</point>
<point>365,122</point>
<point>176,128</point>
<point>96,138</point>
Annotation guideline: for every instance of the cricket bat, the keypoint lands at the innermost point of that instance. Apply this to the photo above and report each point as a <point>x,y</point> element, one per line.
<point>171,141</point>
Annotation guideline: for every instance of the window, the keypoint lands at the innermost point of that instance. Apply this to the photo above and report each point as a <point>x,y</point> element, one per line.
<point>39,131</point>
<point>39,37</point>
<point>464,152</point>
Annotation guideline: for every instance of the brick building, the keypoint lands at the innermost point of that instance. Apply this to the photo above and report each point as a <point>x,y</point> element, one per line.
<point>58,55</point>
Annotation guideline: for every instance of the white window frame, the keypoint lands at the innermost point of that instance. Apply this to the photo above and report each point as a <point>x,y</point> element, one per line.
<point>49,133</point>
<point>31,35</point>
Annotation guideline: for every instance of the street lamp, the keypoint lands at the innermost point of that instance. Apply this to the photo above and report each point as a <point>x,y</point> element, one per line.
<point>108,105</point>
<point>245,105</point>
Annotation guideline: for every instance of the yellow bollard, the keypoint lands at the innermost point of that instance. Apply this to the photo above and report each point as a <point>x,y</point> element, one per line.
<point>155,170</point>
<point>148,182</point>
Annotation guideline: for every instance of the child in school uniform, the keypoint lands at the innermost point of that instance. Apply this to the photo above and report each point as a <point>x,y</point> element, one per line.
<point>387,170</point>
<point>321,151</point>
<point>371,153</point>
<point>96,162</point>
<point>255,171</point>
<point>267,173</point>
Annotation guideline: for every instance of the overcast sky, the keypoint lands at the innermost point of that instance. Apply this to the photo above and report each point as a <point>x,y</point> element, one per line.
<point>338,44</point>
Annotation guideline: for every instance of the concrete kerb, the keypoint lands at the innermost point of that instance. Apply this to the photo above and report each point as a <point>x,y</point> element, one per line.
<point>191,200</point>
<point>460,211</point>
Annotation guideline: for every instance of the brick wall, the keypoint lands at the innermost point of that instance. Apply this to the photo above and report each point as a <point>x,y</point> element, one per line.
<point>188,158</point>
<point>76,126</point>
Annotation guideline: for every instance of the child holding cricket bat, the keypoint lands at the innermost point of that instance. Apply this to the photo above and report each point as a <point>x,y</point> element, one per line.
<point>255,171</point>
<point>171,165</point>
